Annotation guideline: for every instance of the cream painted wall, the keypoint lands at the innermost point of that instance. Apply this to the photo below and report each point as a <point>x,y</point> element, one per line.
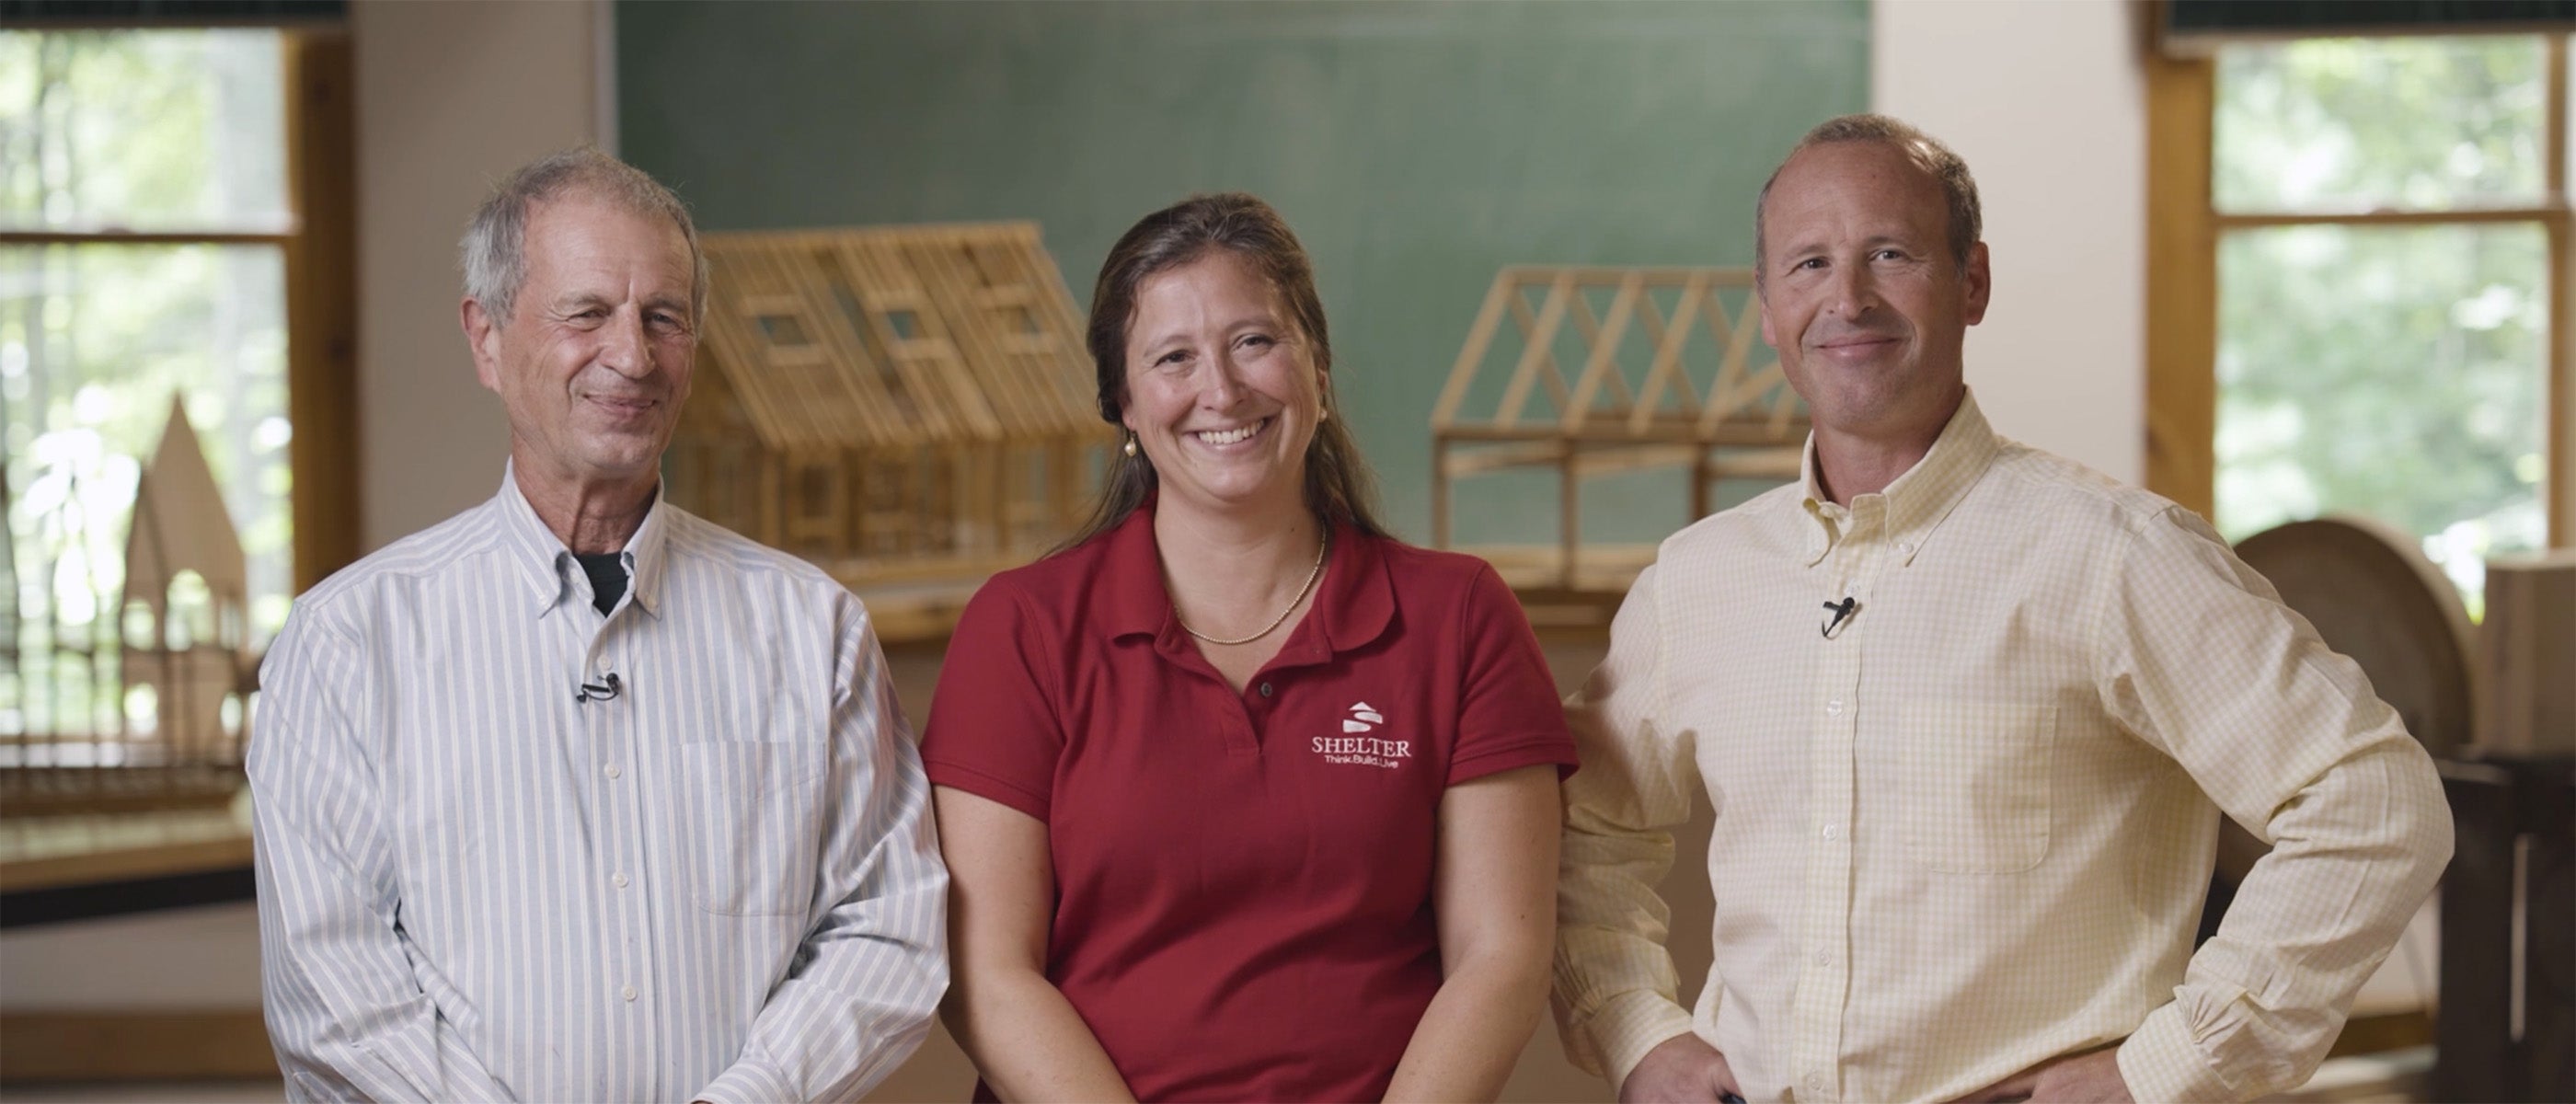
<point>2046,102</point>
<point>450,97</point>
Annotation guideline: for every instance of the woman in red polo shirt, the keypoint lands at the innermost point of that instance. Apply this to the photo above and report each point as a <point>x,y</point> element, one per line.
<point>1241,798</point>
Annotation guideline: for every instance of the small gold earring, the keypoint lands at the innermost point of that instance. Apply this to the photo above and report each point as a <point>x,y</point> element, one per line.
<point>1131,445</point>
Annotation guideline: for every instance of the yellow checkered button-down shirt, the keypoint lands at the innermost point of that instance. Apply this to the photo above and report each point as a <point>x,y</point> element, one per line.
<point>1971,829</point>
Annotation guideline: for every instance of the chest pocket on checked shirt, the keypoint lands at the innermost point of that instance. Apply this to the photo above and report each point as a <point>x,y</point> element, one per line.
<point>754,834</point>
<point>1972,784</point>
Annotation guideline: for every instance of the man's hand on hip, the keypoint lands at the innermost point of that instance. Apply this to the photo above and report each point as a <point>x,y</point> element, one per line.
<point>2089,1078</point>
<point>1680,1070</point>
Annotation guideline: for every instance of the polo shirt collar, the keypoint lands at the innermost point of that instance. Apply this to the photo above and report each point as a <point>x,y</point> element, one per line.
<point>1133,600</point>
<point>1354,601</point>
<point>1918,501</point>
<point>549,567</point>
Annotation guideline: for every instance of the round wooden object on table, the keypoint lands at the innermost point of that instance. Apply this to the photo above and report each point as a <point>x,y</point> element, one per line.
<point>2374,597</point>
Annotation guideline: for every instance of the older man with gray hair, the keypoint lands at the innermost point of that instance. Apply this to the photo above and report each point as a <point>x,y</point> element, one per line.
<point>575,796</point>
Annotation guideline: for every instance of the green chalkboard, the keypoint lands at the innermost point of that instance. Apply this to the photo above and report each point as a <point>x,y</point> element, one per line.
<point>1416,148</point>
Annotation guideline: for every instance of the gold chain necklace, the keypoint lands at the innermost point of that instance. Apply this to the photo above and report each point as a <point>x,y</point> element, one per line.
<point>1312,574</point>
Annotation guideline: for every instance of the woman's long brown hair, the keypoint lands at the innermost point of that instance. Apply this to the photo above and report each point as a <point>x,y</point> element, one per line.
<point>1339,487</point>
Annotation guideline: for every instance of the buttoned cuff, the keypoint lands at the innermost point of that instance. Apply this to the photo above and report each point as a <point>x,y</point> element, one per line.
<point>747,1084</point>
<point>2161,1062</point>
<point>1629,1025</point>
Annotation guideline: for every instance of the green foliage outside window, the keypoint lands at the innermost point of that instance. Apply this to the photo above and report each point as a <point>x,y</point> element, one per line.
<point>2399,372</point>
<point>177,132</point>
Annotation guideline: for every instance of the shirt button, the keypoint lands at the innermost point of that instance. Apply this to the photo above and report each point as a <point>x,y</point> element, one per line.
<point>1824,958</point>
<point>1834,708</point>
<point>611,770</point>
<point>1816,1083</point>
<point>599,666</point>
<point>628,993</point>
<point>1265,689</point>
<point>618,880</point>
<point>1832,832</point>
<point>1905,548</point>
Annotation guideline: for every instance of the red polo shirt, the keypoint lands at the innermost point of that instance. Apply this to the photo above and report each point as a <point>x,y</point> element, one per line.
<point>1243,881</point>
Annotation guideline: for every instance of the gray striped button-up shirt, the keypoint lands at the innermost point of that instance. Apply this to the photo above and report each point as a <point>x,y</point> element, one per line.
<point>721,882</point>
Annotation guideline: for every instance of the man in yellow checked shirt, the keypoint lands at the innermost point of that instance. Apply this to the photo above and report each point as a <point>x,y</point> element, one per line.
<point>1965,811</point>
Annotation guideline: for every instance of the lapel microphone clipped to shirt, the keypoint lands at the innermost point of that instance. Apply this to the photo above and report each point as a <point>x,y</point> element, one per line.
<point>598,691</point>
<point>1841,610</point>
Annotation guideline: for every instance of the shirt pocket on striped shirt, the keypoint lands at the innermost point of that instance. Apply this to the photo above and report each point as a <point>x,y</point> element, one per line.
<point>755,826</point>
<point>1972,784</point>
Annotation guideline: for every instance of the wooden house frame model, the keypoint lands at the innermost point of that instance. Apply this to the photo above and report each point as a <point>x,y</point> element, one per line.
<point>906,406</point>
<point>181,632</point>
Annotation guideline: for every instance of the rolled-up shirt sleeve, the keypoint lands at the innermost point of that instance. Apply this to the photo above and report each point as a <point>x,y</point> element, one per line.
<point>347,1013</point>
<point>874,964</point>
<point>2200,660</point>
<point>1617,993</point>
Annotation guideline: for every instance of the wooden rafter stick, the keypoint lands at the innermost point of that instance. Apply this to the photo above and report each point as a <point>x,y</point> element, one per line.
<point>926,360</point>
<point>1057,403</point>
<point>832,386</point>
<point>1666,371</point>
<point>1002,325</point>
<point>1587,329</point>
<point>1062,401</point>
<point>1525,374</point>
<point>778,399</point>
<point>869,374</point>
<point>1615,379</point>
<point>788,382</point>
<point>973,367</point>
<point>1587,325</point>
<point>1721,333</point>
<point>1480,337</point>
<point>1003,319</point>
<point>1747,327</point>
<point>1743,386</point>
<point>1595,463</point>
<point>1528,324</point>
<point>1523,318</point>
<point>1500,457</point>
<point>936,322</point>
<point>1651,316</point>
<point>727,339</point>
<point>1603,364</point>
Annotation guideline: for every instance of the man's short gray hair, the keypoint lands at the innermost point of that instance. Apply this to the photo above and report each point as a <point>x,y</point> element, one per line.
<point>494,252</point>
<point>1958,187</point>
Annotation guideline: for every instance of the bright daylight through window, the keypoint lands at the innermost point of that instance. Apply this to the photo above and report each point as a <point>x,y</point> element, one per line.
<point>143,188</point>
<point>2384,288</point>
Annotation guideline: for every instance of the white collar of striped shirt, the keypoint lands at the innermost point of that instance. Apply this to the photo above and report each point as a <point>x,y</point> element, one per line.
<point>549,565</point>
<point>1917,502</point>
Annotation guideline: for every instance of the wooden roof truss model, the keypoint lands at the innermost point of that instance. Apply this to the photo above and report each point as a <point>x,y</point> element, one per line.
<point>1594,371</point>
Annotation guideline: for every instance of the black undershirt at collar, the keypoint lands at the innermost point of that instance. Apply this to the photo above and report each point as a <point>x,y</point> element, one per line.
<point>607,577</point>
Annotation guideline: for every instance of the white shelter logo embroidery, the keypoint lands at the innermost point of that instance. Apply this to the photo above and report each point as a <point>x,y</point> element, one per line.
<point>1356,747</point>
